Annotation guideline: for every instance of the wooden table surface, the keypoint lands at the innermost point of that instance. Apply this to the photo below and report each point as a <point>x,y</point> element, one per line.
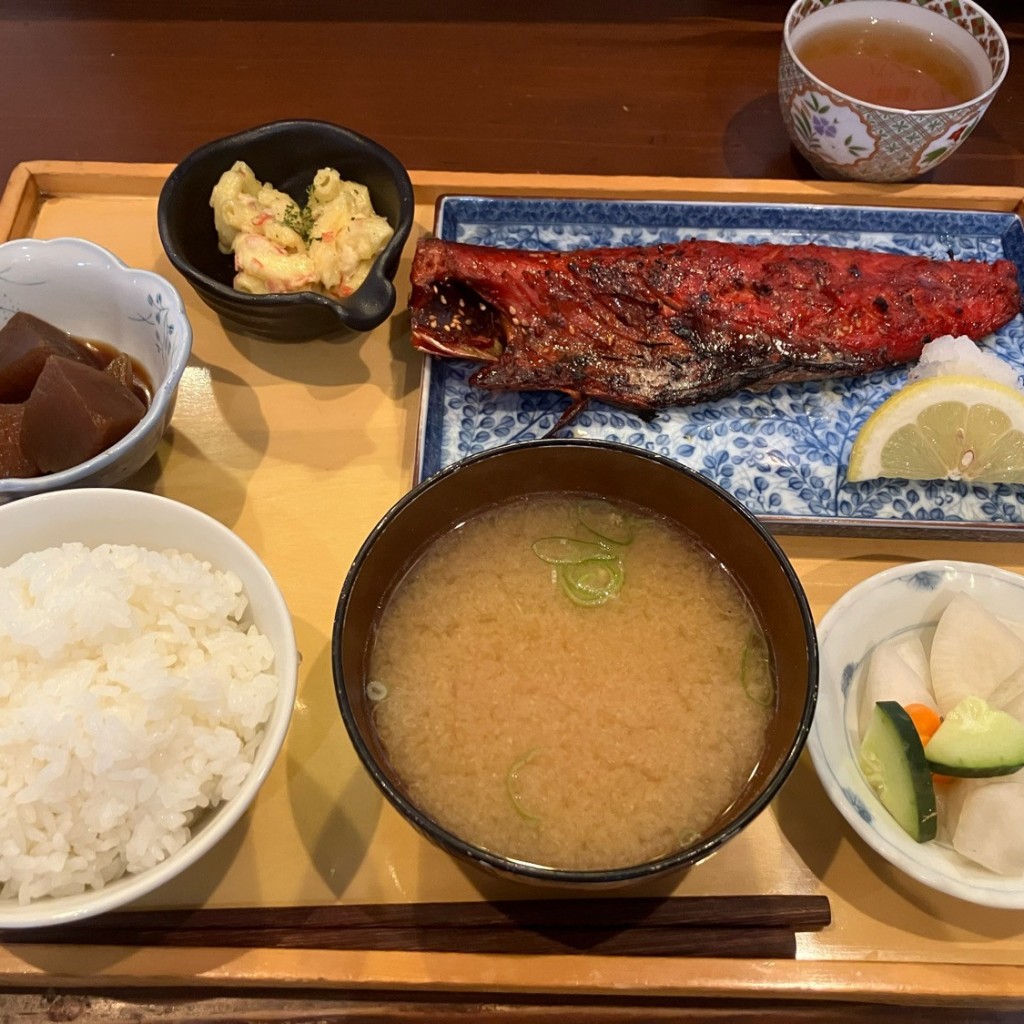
<point>656,87</point>
<point>665,87</point>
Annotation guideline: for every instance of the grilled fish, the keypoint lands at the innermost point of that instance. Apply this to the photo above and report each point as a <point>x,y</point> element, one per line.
<point>650,327</point>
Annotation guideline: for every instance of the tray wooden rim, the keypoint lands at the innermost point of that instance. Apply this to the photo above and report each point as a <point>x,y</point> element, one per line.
<point>640,978</point>
<point>33,181</point>
<point>949,984</point>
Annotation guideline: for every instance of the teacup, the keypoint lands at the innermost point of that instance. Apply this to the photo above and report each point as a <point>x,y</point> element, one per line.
<point>843,136</point>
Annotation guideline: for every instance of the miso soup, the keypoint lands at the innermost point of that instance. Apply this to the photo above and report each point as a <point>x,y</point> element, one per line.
<point>571,684</point>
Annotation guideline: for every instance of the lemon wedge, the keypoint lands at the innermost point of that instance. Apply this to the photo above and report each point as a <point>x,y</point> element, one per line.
<point>947,427</point>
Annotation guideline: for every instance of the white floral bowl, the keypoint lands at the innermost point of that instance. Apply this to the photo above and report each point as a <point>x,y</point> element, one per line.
<point>844,137</point>
<point>86,290</point>
<point>882,606</point>
<point>97,515</point>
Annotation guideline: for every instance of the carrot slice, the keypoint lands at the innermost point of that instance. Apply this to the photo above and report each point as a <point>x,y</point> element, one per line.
<point>926,721</point>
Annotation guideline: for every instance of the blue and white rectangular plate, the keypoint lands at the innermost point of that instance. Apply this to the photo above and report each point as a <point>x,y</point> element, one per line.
<point>783,452</point>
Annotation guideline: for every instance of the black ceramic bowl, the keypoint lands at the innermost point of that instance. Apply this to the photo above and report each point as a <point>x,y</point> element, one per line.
<point>618,473</point>
<point>287,154</point>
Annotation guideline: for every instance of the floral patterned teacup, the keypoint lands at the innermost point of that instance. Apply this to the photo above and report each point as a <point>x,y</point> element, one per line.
<point>844,137</point>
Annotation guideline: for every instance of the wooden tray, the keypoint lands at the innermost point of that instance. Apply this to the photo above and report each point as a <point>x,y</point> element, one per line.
<point>300,448</point>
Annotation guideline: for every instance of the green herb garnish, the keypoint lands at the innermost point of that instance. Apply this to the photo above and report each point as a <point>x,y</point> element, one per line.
<point>755,670</point>
<point>687,837</point>
<point>566,550</point>
<point>606,521</point>
<point>376,691</point>
<point>592,582</point>
<point>299,220</point>
<point>512,783</point>
<point>590,570</point>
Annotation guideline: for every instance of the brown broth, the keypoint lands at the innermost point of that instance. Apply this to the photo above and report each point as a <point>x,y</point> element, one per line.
<point>39,431</point>
<point>105,354</point>
<point>890,64</point>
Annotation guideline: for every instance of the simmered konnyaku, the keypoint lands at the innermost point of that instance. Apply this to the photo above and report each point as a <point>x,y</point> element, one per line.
<point>62,399</point>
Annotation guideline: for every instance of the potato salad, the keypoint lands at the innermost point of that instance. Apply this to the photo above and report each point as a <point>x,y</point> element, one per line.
<point>328,245</point>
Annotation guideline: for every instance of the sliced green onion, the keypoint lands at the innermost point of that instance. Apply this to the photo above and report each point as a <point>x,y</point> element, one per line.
<point>687,837</point>
<point>606,521</point>
<point>595,577</point>
<point>755,671</point>
<point>566,550</point>
<point>512,783</point>
<point>376,690</point>
<point>592,582</point>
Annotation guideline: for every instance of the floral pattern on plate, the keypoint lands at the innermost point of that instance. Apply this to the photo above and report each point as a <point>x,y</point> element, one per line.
<point>783,453</point>
<point>159,316</point>
<point>833,129</point>
<point>938,150</point>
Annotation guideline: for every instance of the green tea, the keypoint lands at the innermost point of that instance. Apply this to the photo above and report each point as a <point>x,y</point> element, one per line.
<point>890,64</point>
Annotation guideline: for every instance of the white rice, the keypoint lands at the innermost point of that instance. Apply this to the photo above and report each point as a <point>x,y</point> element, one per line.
<point>132,697</point>
<point>961,356</point>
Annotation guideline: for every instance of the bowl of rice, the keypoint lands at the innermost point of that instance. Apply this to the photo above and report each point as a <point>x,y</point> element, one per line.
<point>574,663</point>
<point>147,677</point>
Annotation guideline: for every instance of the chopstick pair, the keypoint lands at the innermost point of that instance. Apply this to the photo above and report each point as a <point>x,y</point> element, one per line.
<point>755,927</point>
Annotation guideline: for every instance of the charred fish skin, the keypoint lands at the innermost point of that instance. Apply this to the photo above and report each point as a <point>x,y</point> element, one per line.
<point>650,327</point>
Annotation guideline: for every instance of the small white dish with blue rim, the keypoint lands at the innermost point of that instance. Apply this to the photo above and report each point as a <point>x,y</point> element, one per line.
<point>898,600</point>
<point>89,292</point>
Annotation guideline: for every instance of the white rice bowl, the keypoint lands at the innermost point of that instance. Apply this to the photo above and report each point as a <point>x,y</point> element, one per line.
<point>136,726</point>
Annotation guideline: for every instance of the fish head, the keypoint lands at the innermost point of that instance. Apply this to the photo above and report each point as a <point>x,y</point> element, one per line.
<point>450,319</point>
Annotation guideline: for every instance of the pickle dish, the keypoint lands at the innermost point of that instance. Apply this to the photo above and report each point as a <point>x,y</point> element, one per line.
<point>287,154</point>
<point>917,728</point>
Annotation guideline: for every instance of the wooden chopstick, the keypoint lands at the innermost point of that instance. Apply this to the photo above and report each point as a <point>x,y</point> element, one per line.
<point>750,943</point>
<point>721,926</point>
<point>795,912</point>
